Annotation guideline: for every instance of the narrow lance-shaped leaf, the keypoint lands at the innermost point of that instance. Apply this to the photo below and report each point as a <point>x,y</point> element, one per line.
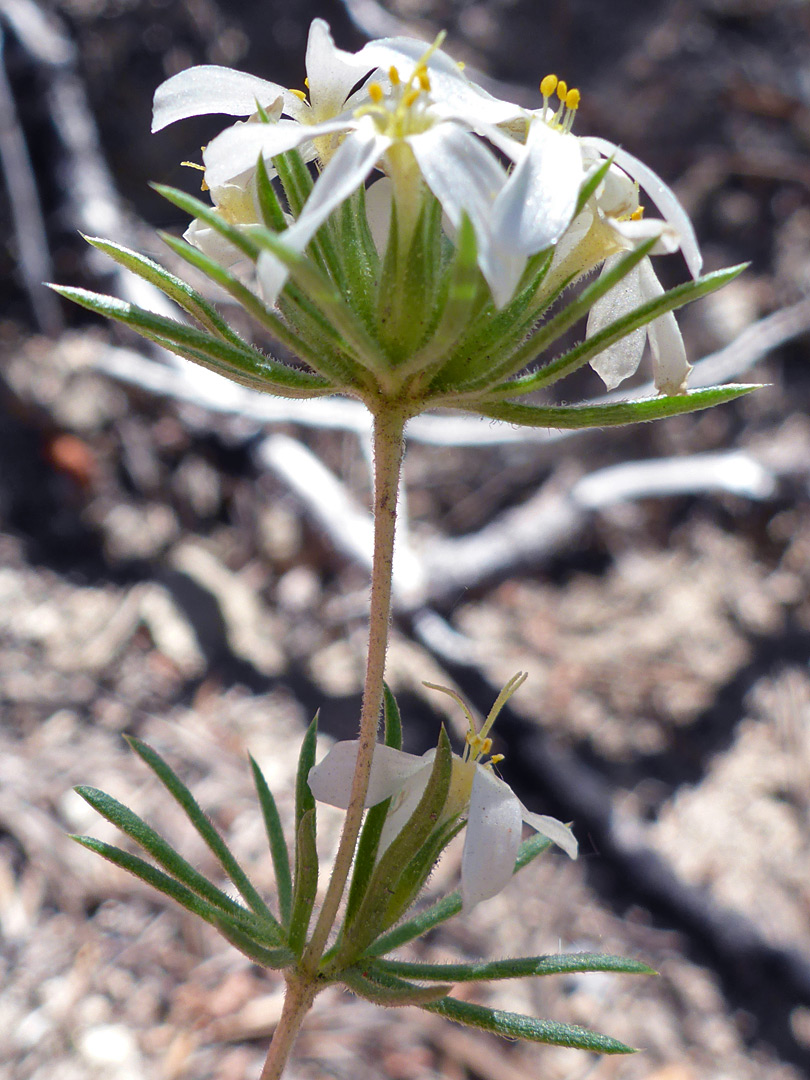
<point>245,364</point>
<point>372,914</point>
<point>570,361</point>
<point>613,415</point>
<point>305,881</point>
<point>175,288</point>
<point>181,794</point>
<point>516,1026</point>
<point>464,286</point>
<point>239,918</point>
<point>325,359</point>
<point>448,906</point>
<point>518,968</point>
<point>269,206</point>
<point>391,992</point>
<point>278,845</point>
<point>488,373</point>
<point>412,879</point>
<point>297,182</point>
<point>369,842</point>
<point>268,958</point>
<point>160,850</point>
<point>326,296</point>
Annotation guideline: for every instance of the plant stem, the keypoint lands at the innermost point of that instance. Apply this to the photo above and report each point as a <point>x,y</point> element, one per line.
<point>388,444</point>
<point>297,1002</point>
<point>302,988</point>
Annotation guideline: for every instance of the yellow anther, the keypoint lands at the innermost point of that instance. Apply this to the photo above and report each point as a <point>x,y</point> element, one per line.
<point>375,92</point>
<point>424,80</point>
<point>496,759</point>
<point>572,100</point>
<point>562,89</point>
<point>486,746</point>
<point>460,65</point>
<point>411,97</point>
<point>637,214</point>
<point>393,75</point>
<point>299,93</point>
<point>306,82</point>
<point>548,85</point>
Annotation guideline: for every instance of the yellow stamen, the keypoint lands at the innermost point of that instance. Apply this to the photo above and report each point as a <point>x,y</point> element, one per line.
<point>460,65</point>
<point>637,214</point>
<point>306,82</point>
<point>299,94</point>
<point>486,746</point>
<point>562,89</point>
<point>375,92</point>
<point>548,85</point>
<point>572,100</point>
<point>424,80</point>
<point>496,759</point>
<point>409,98</point>
<point>193,165</point>
<point>393,75</point>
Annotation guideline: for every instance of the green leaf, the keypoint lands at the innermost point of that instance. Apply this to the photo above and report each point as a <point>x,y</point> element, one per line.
<point>640,316</point>
<point>412,879</point>
<point>267,958</point>
<point>461,299</point>
<point>360,258</point>
<point>369,842</point>
<point>306,881</point>
<point>515,359</point>
<point>516,1026</point>
<point>373,914</point>
<point>306,855</point>
<point>392,992</point>
<point>449,905</point>
<point>297,182</point>
<point>324,357</point>
<point>133,864</point>
<point>175,288</point>
<point>161,851</point>
<point>613,415</point>
<point>269,206</point>
<point>278,845</point>
<point>243,364</point>
<point>181,794</point>
<point>590,184</point>
<point>519,968</point>
<point>393,720</point>
<point>325,294</point>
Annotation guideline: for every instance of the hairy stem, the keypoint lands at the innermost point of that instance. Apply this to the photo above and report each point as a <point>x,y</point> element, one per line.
<point>297,1002</point>
<point>303,987</point>
<point>388,444</point>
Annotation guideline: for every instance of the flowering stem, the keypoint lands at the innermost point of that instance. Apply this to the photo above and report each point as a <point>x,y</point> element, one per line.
<point>302,988</point>
<point>297,1002</point>
<point>388,444</point>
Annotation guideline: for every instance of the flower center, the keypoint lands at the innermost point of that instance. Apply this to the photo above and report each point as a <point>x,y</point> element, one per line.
<point>404,110</point>
<point>562,115</point>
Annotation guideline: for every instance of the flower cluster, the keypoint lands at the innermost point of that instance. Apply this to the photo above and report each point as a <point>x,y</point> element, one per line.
<point>401,111</point>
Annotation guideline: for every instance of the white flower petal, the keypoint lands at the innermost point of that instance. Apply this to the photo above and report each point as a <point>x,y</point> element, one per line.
<point>330,781</point>
<point>670,365</point>
<point>535,206</point>
<point>454,94</point>
<point>635,233</point>
<point>209,88</point>
<point>237,148</point>
<point>465,177</point>
<point>378,211</point>
<point>216,247</point>
<point>346,171</point>
<point>492,838</point>
<point>619,361</point>
<point>558,833</point>
<point>663,196</point>
<point>331,72</point>
<point>406,801</point>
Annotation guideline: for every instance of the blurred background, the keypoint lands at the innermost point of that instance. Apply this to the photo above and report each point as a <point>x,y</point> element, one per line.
<point>188,565</point>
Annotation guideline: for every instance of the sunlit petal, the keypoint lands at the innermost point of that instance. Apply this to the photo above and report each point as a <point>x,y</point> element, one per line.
<point>209,88</point>
<point>330,781</point>
<point>558,833</point>
<point>492,838</point>
<point>670,365</point>
<point>621,360</point>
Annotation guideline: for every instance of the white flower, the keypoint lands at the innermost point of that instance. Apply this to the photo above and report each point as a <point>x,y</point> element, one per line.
<point>494,813</point>
<point>616,219</point>
<point>418,118</point>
